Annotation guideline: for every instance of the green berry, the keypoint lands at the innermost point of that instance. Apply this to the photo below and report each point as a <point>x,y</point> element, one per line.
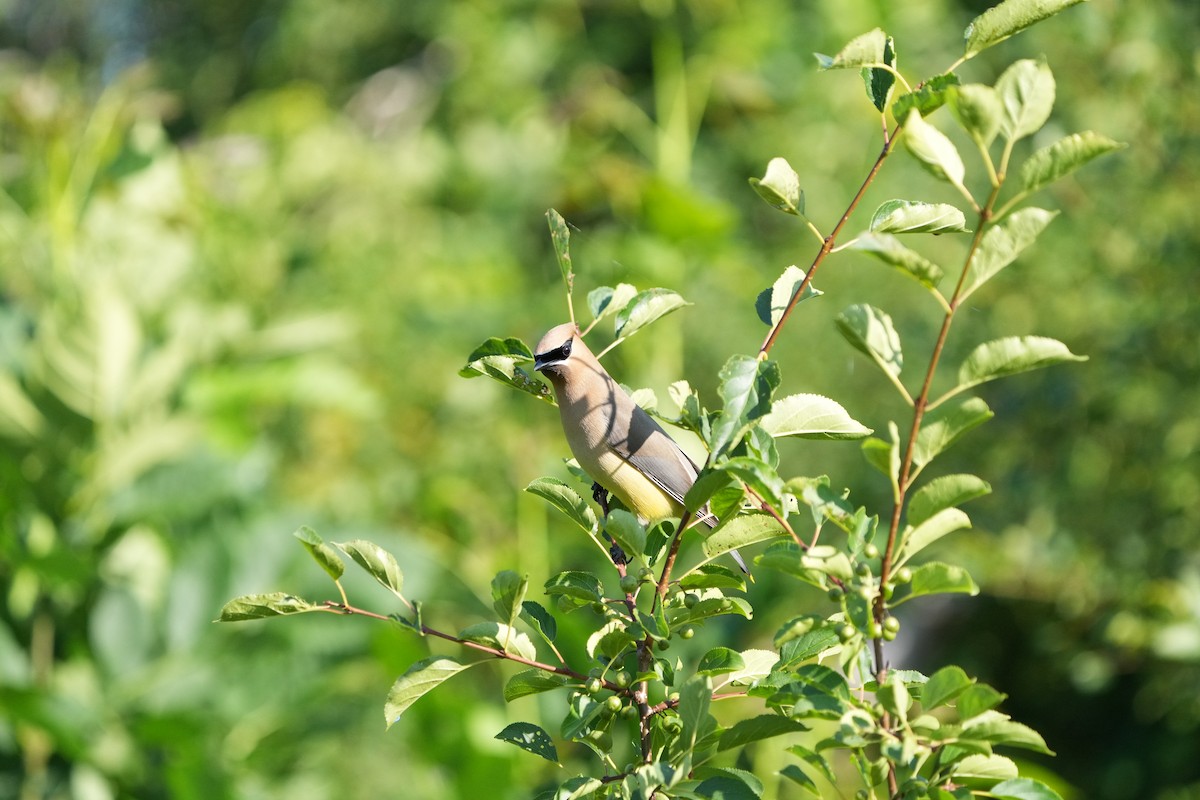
<point>691,599</point>
<point>594,686</point>
<point>871,551</point>
<point>863,569</point>
<point>687,632</point>
<point>614,703</point>
<point>623,679</point>
<point>629,584</point>
<point>664,645</point>
<point>629,712</point>
<point>846,632</point>
<point>599,607</point>
<point>673,698</point>
<point>836,594</point>
<point>903,575</point>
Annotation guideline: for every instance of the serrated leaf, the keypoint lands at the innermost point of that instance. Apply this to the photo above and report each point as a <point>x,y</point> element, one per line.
<point>944,686</point>
<point>867,48</point>
<point>796,775</point>
<point>720,660</point>
<point>998,729</point>
<point>1064,157</point>
<point>879,82</point>
<point>609,639</point>
<point>646,307</point>
<point>261,606</point>
<point>756,665</point>
<point>625,529</point>
<point>887,248</point>
<point>912,216</point>
<point>928,98</point>
<point>933,149</point>
<point>1026,92</point>
<point>422,677</point>
<point>976,699</point>
<point>1008,18</point>
<point>870,330</point>
<point>1023,789</point>
<point>379,563</point>
<point>560,235</point>
<point>948,491</point>
<point>501,637</point>
<point>532,681</point>
<point>943,523</point>
<point>566,500</point>
<point>1010,356</point>
<point>501,360</point>
<point>530,738</point>
<point>759,476</point>
<point>582,586</point>
<point>808,645</point>
<point>983,769</point>
<point>538,618</point>
<point>938,578</point>
<point>947,424</point>
<point>772,302</point>
<point>756,729</point>
<point>780,187</point>
<point>1002,244</point>
<point>605,301</point>
<point>322,553</point>
<point>811,416</point>
<point>743,530</point>
<point>713,576</point>
<point>978,110</point>
<point>747,384</point>
<point>508,592</point>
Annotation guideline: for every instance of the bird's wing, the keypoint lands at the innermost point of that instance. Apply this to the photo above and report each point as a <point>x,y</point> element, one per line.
<point>656,455</point>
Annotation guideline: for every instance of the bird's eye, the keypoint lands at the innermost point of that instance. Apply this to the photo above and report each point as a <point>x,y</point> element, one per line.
<point>566,348</point>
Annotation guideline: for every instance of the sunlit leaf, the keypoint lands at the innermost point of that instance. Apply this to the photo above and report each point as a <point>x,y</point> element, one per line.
<point>500,637</point>
<point>797,776</point>
<point>998,729</point>
<point>566,500</point>
<point>1010,17</point>
<point>260,606</point>
<point>945,425</point>
<point>870,331</point>
<point>941,524</point>
<point>538,618</point>
<point>713,576</point>
<point>625,529</point>
<point>928,98</point>
<point>576,584</point>
<point>1064,157</point>
<point>887,248</point>
<point>422,677</point>
<point>938,578</point>
<point>501,360</point>
<point>1023,789</point>
<point>720,660</point>
<point>978,698</point>
<point>772,302</point>
<point>531,738</point>
<point>912,216</point>
<point>532,681</point>
<point>1026,92</point>
<point>754,729</point>
<point>933,149</point>
<point>944,686</point>
<point>879,81</point>
<point>560,235</point>
<point>322,553</point>
<point>1010,356</point>
<point>606,301</point>
<point>780,187</point>
<point>746,387</point>
<point>1002,244</point>
<point>978,110</point>
<point>508,592</point>
<point>743,530</point>
<point>811,416</point>
<point>379,563</point>
<point>867,48</point>
<point>646,307</point>
<point>947,491</point>
<point>984,770</point>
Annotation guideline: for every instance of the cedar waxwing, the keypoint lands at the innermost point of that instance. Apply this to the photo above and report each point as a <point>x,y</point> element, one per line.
<point>612,438</point>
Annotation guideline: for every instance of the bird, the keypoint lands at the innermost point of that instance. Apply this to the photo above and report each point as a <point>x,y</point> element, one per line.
<point>615,441</point>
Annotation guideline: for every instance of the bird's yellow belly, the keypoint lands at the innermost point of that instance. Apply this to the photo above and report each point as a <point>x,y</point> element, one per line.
<point>639,494</point>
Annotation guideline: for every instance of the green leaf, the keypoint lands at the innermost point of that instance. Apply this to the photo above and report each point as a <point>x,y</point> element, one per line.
<point>883,455</point>
<point>1064,157</point>
<point>500,359</point>
<point>945,492</point>
<point>757,665</point>
<point>759,476</point>
<point>710,482</point>
<point>743,530</point>
<point>894,697</point>
<point>870,331</point>
<point>1026,91</point>
<point>566,500</point>
<point>501,637</point>
<point>879,82</point>
<point>720,660</point>
<point>998,729</point>
<point>863,50</point>
<point>796,775</point>
<point>933,149</point>
<point>560,235</point>
<point>508,591</point>
<point>811,416</point>
<point>1002,244</point>
<point>606,301</point>
<point>772,302</point>
<point>912,216</point>
<point>978,110</point>
<point>944,522</point>
<point>379,563</point>
<point>976,699</point>
<point>532,681</point>
<point>808,645</point>
<point>747,384</point>
<point>625,529</point>
<point>713,576</point>
<point>1010,17</point>
<point>926,99</point>
<point>610,640</point>
<point>1023,789</point>
<point>756,729</point>
<point>1010,356</point>
<point>646,307</point>
<point>261,606</point>
<point>420,678</point>
<point>947,424</point>
<point>944,686</point>
<point>938,578</point>
<point>695,697</point>
<point>780,187</point>
<point>582,586</point>
<point>538,618</point>
<point>20,418</point>
<point>984,770</point>
<point>322,553</point>
<point>531,738</point>
<point>888,249</point>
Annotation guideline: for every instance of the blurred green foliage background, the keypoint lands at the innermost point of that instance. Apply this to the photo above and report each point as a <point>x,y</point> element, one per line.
<point>245,247</point>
